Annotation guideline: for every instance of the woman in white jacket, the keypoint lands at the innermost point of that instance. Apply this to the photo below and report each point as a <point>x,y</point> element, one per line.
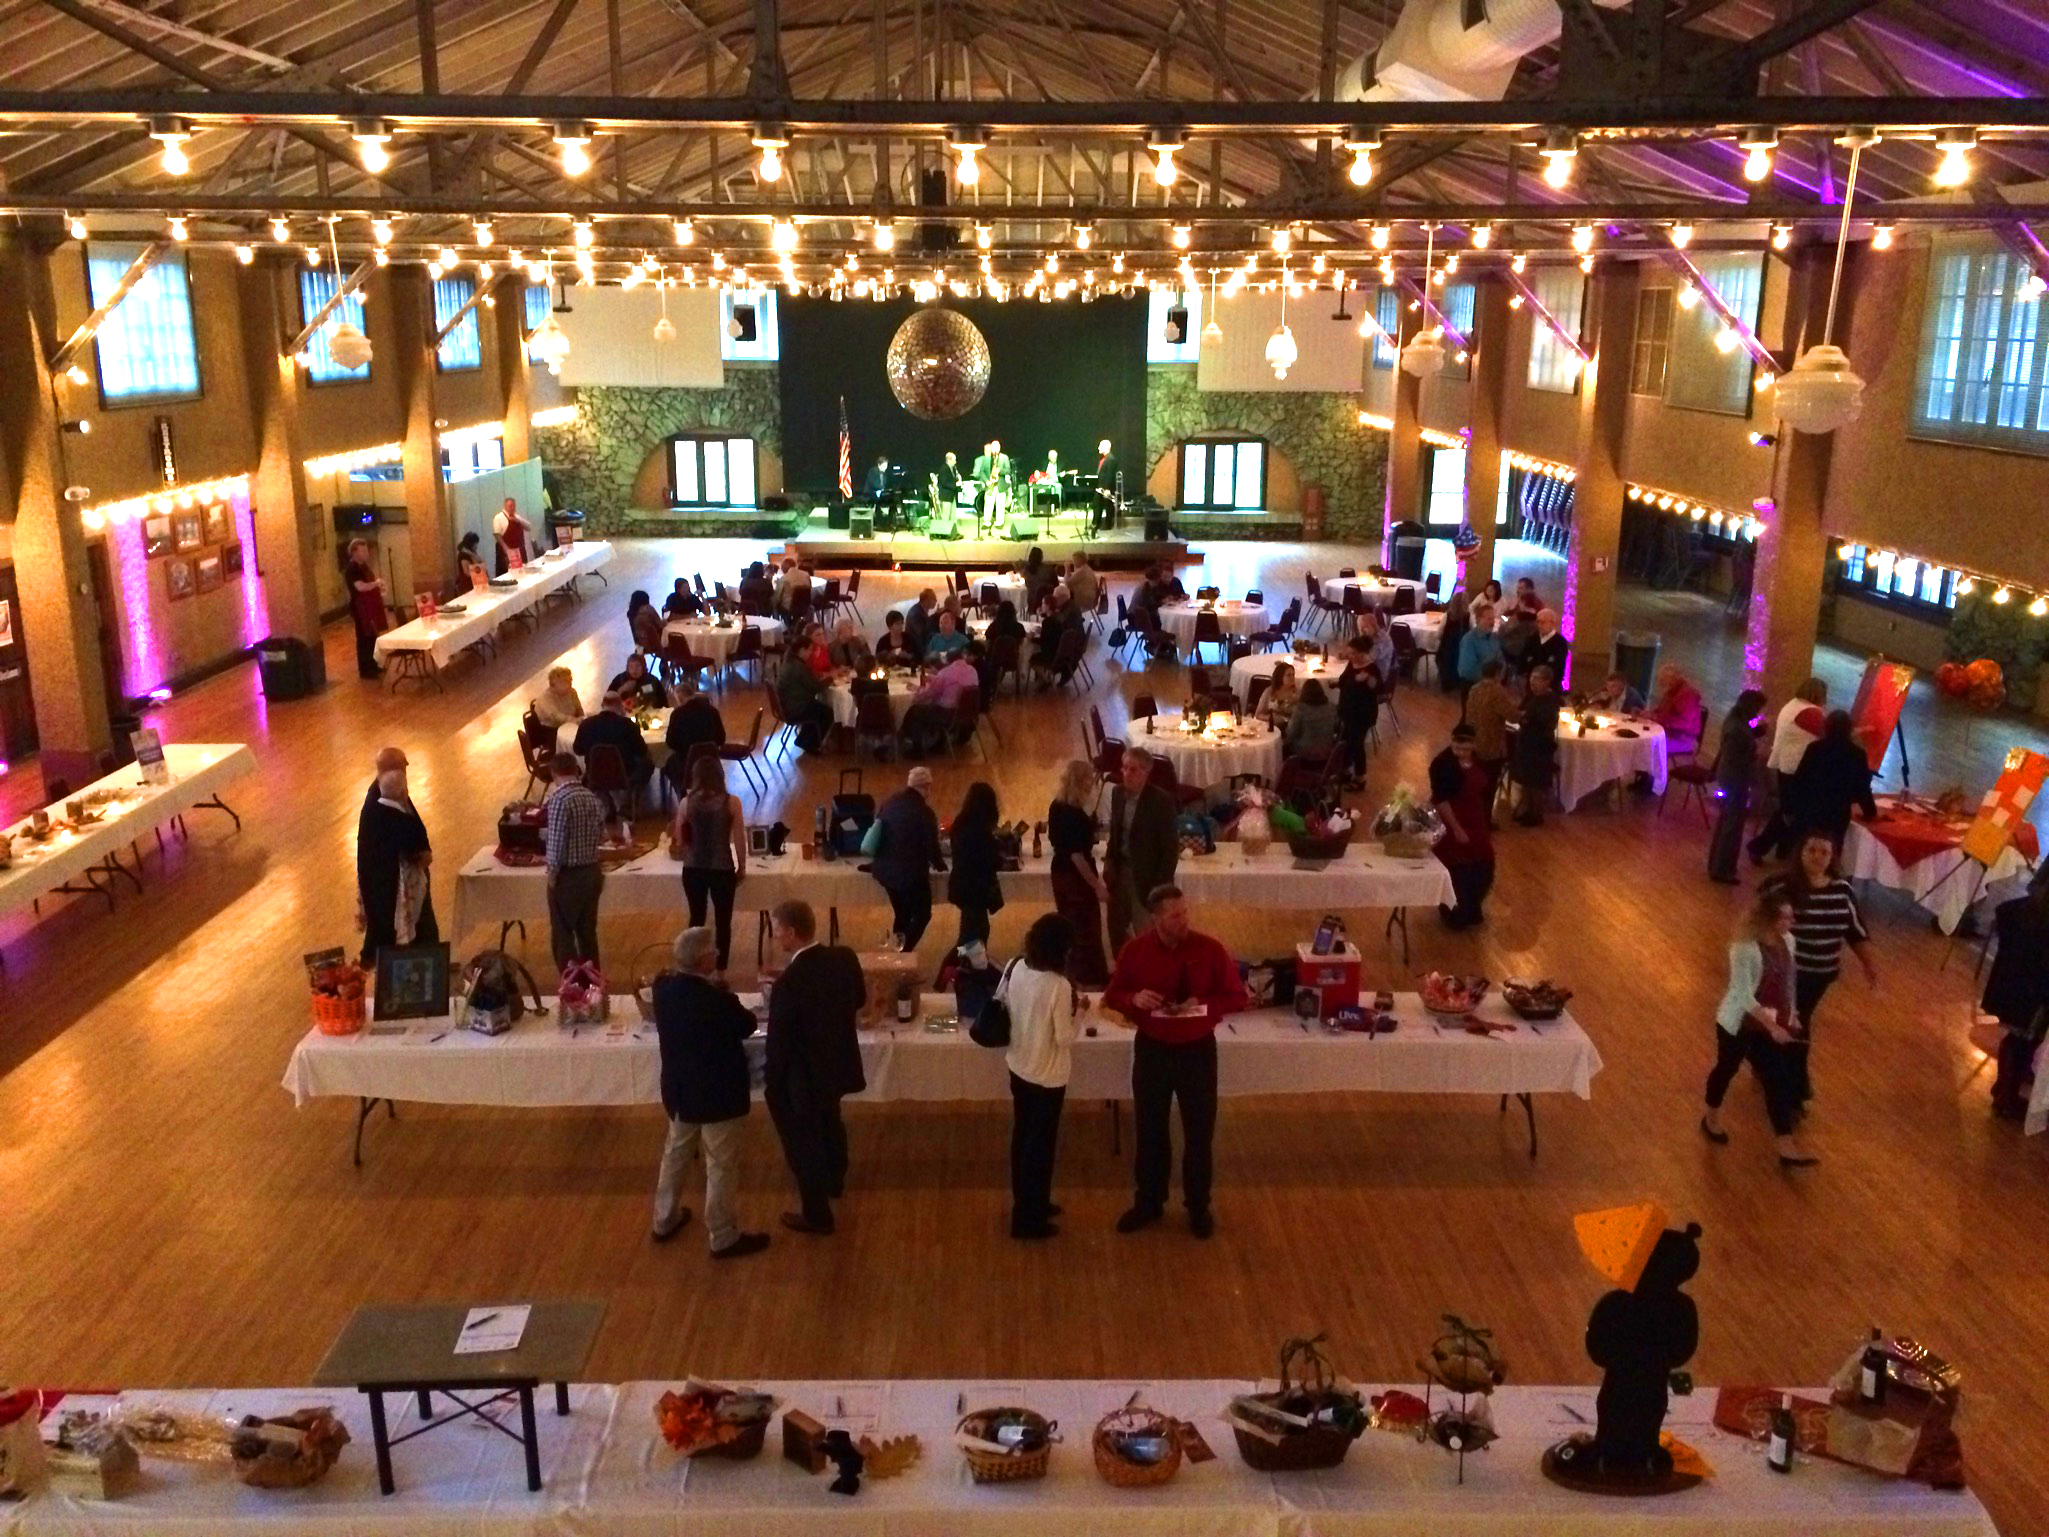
<point>1045,1015</point>
<point>1756,1022</point>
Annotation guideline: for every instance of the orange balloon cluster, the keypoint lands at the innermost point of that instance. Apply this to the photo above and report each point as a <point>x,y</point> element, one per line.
<point>1982,683</point>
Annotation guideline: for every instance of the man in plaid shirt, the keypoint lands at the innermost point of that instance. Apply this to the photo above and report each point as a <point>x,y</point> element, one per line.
<point>576,826</point>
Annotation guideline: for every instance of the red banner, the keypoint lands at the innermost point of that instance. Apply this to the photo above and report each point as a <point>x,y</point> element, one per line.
<point>1875,714</point>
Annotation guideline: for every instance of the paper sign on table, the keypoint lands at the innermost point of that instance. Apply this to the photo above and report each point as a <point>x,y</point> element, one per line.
<point>149,756</point>
<point>490,1329</point>
<point>2005,806</point>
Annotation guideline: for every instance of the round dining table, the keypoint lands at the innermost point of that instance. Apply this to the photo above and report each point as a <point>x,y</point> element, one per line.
<point>1234,617</point>
<point>715,642</point>
<point>1217,754</point>
<point>1378,592</point>
<point>840,695</point>
<point>1261,664</point>
<point>1612,747</point>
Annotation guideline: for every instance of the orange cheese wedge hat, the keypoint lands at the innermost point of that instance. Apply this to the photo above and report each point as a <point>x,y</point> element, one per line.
<point>1619,1239</point>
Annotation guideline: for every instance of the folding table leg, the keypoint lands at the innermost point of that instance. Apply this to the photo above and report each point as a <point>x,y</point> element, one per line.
<point>530,1436</point>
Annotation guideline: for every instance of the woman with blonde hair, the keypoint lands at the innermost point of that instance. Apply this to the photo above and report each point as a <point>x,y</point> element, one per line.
<point>1079,891</point>
<point>1756,1023</point>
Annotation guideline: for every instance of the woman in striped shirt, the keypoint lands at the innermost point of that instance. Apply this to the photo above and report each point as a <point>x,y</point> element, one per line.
<point>1825,918</point>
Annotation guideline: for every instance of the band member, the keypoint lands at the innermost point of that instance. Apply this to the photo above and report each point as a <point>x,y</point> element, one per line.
<point>876,486</point>
<point>992,479</point>
<point>1050,475</point>
<point>949,479</point>
<point>1106,483</point>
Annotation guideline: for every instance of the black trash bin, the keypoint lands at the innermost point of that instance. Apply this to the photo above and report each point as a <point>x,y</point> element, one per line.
<point>1636,658</point>
<point>560,518</point>
<point>286,665</point>
<point>124,728</point>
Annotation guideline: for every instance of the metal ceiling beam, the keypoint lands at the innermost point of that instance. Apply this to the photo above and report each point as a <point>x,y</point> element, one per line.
<point>353,282</point>
<point>137,271</point>
<point>522,73</point>
<point>137,17</point>
<point>1744,59</point>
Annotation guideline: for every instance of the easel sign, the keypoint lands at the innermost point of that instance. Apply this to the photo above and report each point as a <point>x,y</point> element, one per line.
<point>2005,806</point>
<point>1875,714</point>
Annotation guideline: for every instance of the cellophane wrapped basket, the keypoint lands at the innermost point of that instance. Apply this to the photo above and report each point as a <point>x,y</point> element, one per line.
<point>339,998</point>
<point>1310,1390</point>
<point>265,1459</point>
<point>1136,1447</point>
<point>580,997</point>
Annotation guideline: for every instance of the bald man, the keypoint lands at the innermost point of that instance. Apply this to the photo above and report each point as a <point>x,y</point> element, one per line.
<point>388,758</point>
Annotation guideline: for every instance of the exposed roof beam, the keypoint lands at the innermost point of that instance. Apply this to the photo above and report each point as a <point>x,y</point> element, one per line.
<point>138,269</point>
<point>537,50</point>
<point>477,296</point>
<point>1741,61</point>
<point>135,16</point>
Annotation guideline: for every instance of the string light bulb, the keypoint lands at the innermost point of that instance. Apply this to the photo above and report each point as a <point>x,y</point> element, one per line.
<point>1182,235</point>
<point>380,231</point>
<point>1483,236</point>
<point>1362,142</point>
<point>1378,235</point>
<point>782,236</point>
<point>2039,607</point>
<point>179,231</point>
<point>1956,144</point>
<point>1518,262</point>
<point>1682,236</point>
<point>1782,236</point>
<point>586,234</point>
<point>1726,340</point>
<point>1759,144</point>
<point>449,259</point>
<point>77,226</point>
<point>885,235</point>
<point>984,237</point>
<point>1689,296</point>
<point>484,232</point>
<point>1965,586</point>
<point>1560,149</point>
<point>1281,239</point>
<point>2002,596</point>
<point>1583,238</point>
<point>1881,237</point>
<point>771,140</point>
<point>373,144</point>
<point>685,231</point>
<point>245,254</point>
<point>1165,145</point>
<point>573,144</point>
<point>172,132</point>
<point>313,257</point>
<point>967,146</point>
<point>1084,237</point>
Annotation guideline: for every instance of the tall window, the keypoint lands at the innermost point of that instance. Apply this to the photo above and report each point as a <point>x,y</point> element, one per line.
<point>1387,313</point>
<point>1898,580</point>
<point>539,302</point>
<point>1703,376</point>
<point>711,471</point>
<point>462,348</point>
<point>1163,301</point>
<point>1553,364</point>
<point>1447,495</point>
<point>146,348</point>
<point>1983,375</point>
<point>1456,302</point>
<point>1653,353</point>
<point>751,312</point>
<point>1223,475</point>
<point>471,456</point>
<point>318,285</point>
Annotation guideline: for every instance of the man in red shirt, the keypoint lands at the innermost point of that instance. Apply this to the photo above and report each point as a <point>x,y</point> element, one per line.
<point>1175,986</point>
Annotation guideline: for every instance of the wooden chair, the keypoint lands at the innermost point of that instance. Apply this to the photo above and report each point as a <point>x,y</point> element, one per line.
<point>743,753</point>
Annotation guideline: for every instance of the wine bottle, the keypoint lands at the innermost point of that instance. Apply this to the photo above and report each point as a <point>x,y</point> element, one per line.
<point>1871,1370</point>
<point>906,1001</point>
<point>1778,1447</point>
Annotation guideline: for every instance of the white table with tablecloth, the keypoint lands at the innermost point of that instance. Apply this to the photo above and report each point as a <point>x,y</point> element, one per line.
<point>440,639</point>
<point>1234,617</point>
<point>1604,755</point>
<point>902,690</point>
<point>1378,594</point>
<point>1219,753</point>
<point>1261,664</point>
<point>488,891</point>
<point>1427,629</point>
<point>1009,586</point>
<point>1948,882</point>
<point>715,642</point>
<point>607,1473</point>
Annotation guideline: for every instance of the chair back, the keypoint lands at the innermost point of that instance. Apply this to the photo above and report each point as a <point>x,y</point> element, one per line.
<point>1254,595</point>
<point>1430,583</point>
<point>1208,594</point>
<point>1314,588</point>
<point>530,722</point>
<point>1236,646</point>
<point>605,773</point>
<point>958,582</point>
<point>1162,774</point>
<point>1345,571</point>
<point>1355,600</point>
<point>676,653</point>
<point>1198,681</point>
<point>1255,690</point>
<point>1405,599</point>
<point>748,647</point>
<point>719,590</point>
<point>698,578</point>
<point>1067,655</point>
<point>1291,617</point>
<point>873,714</point>
<point>832,592</point>
<point>1005,654</point>
<point>698,750</point>
<point>854,585</point>
<point>1123,618</point>
<point>1143,707</point>
<point>1222,702</point>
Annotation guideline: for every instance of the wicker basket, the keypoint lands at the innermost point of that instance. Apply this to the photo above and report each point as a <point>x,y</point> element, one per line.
<point>1319,846</point>
<point>1309,1385</point>
<point>746,1444</point>
<point>339,1016</point>
<point>1120,1425</point>
<point>1405,846</point>
<point>987,1467</point>
<point>273,1468</point>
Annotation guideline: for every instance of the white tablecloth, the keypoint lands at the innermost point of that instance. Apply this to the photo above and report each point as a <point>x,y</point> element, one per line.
<point>1945,883</point>
<point>607,1473</point>
<point>199,770</point>
<point>487,892</point>
<point>1234,617</point>
<point>901,692</point>
<point>714,644</point>
<point>1268,1051</point>
<point>445,635</point>
<point>1428,629</point>
<point>1204,760</point>
<point>1585,763</point>
<point>1008,585</point>
<point>1376,594</point>
<point>1261,664</point>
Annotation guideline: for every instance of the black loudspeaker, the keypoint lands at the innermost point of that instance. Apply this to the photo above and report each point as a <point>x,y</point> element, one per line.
<point>934,191</point>
<point>836,514</point>
<point>1177,325</point>
<point>1156,530</point>
<point>861,523</point>
<point>775,501</point>
<point>741,327</point>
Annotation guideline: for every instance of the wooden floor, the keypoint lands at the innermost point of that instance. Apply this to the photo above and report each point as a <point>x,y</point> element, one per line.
<point>168,1219</point>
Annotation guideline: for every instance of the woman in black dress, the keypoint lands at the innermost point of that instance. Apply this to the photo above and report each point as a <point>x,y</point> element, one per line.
<point>1079,891</point>
<point>390,837</point>
<point>972,884</point>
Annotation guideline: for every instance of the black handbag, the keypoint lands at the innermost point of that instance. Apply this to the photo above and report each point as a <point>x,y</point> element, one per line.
<point>991,1024</point>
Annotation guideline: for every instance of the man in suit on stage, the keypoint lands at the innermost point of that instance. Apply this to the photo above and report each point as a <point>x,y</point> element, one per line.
<point>876,485</point>
<point>813,1061</point>
<point>1144,843</point>
<point>992,468</point>
<point>1106,486</point>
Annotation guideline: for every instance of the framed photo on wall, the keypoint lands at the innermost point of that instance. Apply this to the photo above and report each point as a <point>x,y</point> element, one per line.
<point>188,529</point>
<point>231,560</point>
<point>219,530</point>
<point>6,623</point>
<point>178,577</point>
<point>156,537</point>
<point>209,572</point>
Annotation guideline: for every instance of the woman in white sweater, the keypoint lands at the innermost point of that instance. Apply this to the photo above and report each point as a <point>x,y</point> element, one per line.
<point>1045,1014</point>
<point>1756,1023</point>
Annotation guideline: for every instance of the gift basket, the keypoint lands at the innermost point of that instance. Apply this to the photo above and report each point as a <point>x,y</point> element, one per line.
<point>1254,826</point>
<point>1406,827</point>
<point>580,995</point>
<point>1538,1000</point>
<point>340,998</point>
<point>1451,995</point>
<point>1136,1447</point>
<point>287,1451</point>
<point>496,990</point>
<point>708,1421</point>
<point>1005,1445</point>
<point>1309,1423</point>
<point>1326,834</point>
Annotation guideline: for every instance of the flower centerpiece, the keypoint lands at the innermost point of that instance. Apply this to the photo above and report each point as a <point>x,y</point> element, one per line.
<point>1407,827</point>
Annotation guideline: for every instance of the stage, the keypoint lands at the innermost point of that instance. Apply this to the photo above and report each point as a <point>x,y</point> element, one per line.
<point>1124,549</point>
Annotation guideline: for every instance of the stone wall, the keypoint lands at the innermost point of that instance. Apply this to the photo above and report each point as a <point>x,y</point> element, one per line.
<point>1316,432</point>
<point>597,459</point>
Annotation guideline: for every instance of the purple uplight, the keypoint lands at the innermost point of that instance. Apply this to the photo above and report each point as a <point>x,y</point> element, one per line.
<point>255,606</point>
<point>145,667</point>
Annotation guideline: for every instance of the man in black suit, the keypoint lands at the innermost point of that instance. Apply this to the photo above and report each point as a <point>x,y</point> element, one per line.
<point>907,854</point>
<point>613,727</point>
<point>1106,486</point>
<point>814,1061</point>
<point>876,485</point>
<point>1144,845</point>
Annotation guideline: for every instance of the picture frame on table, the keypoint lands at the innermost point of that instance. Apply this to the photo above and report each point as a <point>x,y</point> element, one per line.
<point>231,560</point>
<point>412,982</point>
<point>178,578</point>
<point>208,573</point>
<point>219,529</point>
<point>156,538</point>
<point>188,530</point>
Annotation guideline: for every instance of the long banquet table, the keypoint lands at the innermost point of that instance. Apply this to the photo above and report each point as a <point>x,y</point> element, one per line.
<point>489,892</point>
<point>1943,879</point>
<point>424,646</point>
<point>198,773</point>
<point>607,1473</point>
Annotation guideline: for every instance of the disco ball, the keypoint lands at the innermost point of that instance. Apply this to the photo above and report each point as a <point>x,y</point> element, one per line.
<point>938,365</point>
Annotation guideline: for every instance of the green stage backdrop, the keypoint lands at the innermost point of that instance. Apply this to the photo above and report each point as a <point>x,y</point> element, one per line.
<point>1062,375</point>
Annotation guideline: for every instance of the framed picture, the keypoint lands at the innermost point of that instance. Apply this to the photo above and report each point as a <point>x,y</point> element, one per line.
<point>412,982</point>
<point>189,529</point>
<point>178,576</point>
<point>231,560</point>
<point>209,572</point>
<point>219,530</point>
<point>156,537</point>
<point>6,623</point>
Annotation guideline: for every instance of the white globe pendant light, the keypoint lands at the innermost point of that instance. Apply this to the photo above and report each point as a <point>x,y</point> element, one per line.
<point>550,344</point>
<point>1821,392</point>
<point>1212,332</point>
<point>1423,358</point>
<point>665,330</point>
<point>349,347</point>
<point>1280,347</point>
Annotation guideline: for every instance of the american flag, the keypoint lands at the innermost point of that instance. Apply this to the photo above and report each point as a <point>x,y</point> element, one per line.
<point>846,453</point>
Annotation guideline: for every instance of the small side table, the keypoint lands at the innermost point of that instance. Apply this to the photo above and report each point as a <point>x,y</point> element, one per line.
<point>411,1349</point>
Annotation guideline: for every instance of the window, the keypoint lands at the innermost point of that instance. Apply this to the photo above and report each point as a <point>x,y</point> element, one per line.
<point>1983,375</point>
<point>1223,475</point>
<point>1553,364</point>
<point>1455,301</point>
<point>1447,499</point>
<point>540,303</point>
<point>1653,341</point>
<point>146,348</point>
<point>471,456</point>
<point>1387,313</point>
<point>750,309</point>
<point>462,348</point>
<point>317,286</point>
<point>1897,581</point>
<point>711,471</point>
<point>1703,377</point>
<point>1157,348</point>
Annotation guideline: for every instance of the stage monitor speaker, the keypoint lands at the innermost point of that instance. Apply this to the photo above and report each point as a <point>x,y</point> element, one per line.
<point>836,515</point>
<point>776,501</point>
<point>861,523</point>
<point>741,326</point>
<point>1156,529</point>
<point>1176,329</point>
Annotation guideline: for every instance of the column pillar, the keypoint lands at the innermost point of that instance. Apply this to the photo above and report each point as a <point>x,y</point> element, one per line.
<point>1404,448</point>
<point>1483,444</point>
<point>1588,617</point>
<point>277,491</point>
<point>59,620</point>
<point>1792,547</point>
<point>509,316</point>
<point>430,537</point>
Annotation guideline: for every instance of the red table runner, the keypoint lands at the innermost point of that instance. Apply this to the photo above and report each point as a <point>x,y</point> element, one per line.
<point>1910,834</point>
